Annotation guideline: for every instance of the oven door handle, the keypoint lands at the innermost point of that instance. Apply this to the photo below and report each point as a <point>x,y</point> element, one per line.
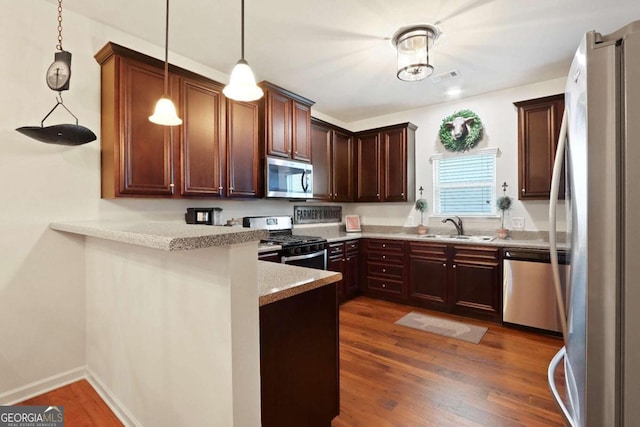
<point>322,253</point>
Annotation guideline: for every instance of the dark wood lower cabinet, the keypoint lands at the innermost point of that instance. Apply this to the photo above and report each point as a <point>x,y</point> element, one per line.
<point>428,281</point>
<point>475,281</point>
<point>344,257</point>
<point>459,279</point>
<point>299,360</point>
<point>383,269</point>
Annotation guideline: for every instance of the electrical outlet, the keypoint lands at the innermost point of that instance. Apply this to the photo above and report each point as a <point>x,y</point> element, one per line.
<point>517,223</point>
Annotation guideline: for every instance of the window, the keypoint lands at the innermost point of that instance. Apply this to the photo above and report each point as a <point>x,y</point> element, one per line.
<point>465,184</point>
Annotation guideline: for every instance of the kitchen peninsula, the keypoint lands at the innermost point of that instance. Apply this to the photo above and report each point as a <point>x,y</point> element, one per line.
<point>173,335</point>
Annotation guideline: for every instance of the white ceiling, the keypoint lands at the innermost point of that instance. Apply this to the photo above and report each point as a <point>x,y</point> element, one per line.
<point>339,54</point>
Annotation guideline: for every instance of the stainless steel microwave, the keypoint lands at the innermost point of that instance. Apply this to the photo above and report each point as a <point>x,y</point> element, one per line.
<point>289,179</point>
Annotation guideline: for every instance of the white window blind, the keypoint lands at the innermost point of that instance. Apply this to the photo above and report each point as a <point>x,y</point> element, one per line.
<point>465,184</point>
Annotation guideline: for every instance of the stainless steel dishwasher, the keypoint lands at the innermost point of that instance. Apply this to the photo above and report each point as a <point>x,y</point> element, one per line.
<point>529,298</point>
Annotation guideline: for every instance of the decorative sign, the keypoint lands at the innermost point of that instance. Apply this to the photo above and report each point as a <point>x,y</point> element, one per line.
<point>316,214</point>
<point>461,131</point>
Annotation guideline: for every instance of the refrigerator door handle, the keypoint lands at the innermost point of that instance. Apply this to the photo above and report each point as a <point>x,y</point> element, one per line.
<point>553,365</point>
<point>553,201</point>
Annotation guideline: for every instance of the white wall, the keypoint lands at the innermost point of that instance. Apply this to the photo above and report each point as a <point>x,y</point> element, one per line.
<point>499,117</point>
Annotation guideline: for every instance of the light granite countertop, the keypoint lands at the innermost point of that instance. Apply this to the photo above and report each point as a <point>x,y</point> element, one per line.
<point>165,235</point>
<point>279,281</point>
<point>338,236</point>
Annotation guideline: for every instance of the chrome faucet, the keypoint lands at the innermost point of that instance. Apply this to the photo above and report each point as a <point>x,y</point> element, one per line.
<point>458,224</point>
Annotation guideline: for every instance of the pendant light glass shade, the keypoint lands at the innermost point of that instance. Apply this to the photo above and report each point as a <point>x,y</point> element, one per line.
<point>165,112</point>
<point>413,45</point>
<point>242,84</point>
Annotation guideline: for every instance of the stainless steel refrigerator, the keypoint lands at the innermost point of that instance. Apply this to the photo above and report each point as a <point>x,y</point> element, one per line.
<point>602,341</point>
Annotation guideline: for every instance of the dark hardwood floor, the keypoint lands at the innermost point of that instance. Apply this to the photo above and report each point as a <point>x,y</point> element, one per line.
<point>397,376</point>
<point>394,376</point>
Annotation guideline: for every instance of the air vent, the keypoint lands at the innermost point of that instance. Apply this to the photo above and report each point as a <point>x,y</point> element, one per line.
<point>453,74</point>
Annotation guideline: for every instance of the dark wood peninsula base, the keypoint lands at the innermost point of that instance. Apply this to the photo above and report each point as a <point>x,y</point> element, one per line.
<point>299,360</point>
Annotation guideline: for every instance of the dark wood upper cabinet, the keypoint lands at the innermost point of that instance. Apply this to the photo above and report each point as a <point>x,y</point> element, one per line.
<point>368,168</point>
<point>385,159</point>
<point>539,123</point>
<point>202,144</point>
<point>285,121</point>
<point>136,155</point>
<point>301,131</point>
<point>243,147</point>
<point>332,153</point>
<point>322,159</point>
<point>214,153</point>
<point>342,176</point>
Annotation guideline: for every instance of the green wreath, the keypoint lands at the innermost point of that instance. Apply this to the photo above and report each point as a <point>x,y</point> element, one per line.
<point>464,143</point>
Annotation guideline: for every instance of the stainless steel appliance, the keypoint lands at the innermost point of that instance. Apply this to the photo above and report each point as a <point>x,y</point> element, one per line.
<point>528,290</point>
<point>289,179</point>
<point>304,251</point>
<point>602,343</point>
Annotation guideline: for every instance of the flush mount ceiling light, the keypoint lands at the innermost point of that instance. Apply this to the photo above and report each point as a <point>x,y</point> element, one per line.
<point>165,112</point>
<point>242,84</point>
<point>413,44</point>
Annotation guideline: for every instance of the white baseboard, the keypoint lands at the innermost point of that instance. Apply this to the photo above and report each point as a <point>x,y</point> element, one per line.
<point>112,402</point>
<point>36,388</point>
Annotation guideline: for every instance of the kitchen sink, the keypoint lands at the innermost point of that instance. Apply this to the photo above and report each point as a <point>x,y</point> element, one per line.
<point>458,237</point>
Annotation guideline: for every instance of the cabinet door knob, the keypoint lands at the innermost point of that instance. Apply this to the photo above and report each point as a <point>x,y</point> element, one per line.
<point>384,286</point>
<point>378,195</point>
<point>444,265</point>
<point>384,257</point>
<point>523,190</point>
<point>384,270</point>
<point>402,194</point>
<point>454,266</point>
<point>384,246</point>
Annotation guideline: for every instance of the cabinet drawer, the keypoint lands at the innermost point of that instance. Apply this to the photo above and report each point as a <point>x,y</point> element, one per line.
<point>385,257</point>
<point>476,253</point>
<point>335,249</point>
<point>352,246</point>
<point>385,245</point>
<point>385,285</point>
<point>375,269</point>
<point>438,250</point>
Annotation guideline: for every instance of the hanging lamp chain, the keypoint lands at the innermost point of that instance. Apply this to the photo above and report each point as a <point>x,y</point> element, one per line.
<point>242,31</point>
<point>166,52</point>
<point>59,45</point>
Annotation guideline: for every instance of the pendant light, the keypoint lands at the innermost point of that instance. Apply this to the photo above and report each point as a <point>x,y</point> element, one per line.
<point>413,45</point>
<point>242,84</point>
<point>165,112</point>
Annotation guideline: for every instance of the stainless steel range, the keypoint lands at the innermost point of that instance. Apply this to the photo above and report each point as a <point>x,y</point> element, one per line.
<point>305,251</point>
